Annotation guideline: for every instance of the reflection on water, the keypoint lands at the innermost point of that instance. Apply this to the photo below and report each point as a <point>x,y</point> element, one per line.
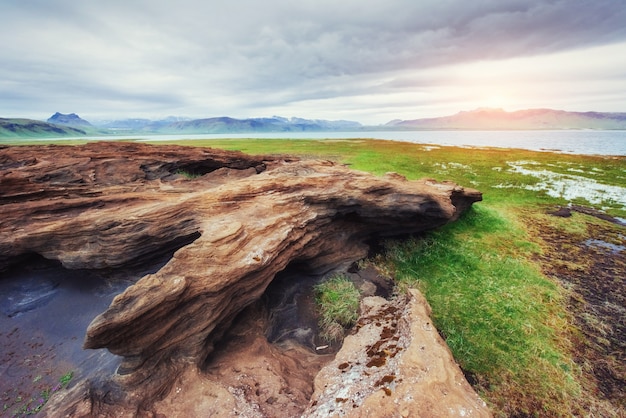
<point>610,247</point>
<point>291,309</point>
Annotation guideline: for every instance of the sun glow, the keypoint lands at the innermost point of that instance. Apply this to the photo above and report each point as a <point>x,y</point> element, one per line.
<point>496,102</point>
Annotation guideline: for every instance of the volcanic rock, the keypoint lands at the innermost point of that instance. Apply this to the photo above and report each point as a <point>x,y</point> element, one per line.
<point>237,220</point>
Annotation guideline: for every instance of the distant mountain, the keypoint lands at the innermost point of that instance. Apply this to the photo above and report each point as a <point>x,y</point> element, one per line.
<point>493,119</point>
<point>273,124</point>
<point>480,119</point>
<point>71,119</point>
<point>71,124</point>
<point>224,124</point>
<point>17,128</point>
<point>138,124</point>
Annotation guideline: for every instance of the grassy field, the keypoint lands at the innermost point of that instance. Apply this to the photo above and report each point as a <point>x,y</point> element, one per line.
<point>532,305</point>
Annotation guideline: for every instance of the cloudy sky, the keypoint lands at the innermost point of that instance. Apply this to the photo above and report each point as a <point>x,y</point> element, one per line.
<point>366,60</point>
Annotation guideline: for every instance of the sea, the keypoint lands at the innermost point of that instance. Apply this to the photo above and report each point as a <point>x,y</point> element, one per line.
<point>587,142</point>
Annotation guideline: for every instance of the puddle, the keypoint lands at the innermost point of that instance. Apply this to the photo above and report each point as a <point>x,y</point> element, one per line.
<point>44,312</point>
<point>20,296</point>
<point>598,243</point>
<point>453,165</point>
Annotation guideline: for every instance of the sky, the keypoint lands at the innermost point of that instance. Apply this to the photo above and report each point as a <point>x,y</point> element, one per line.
<point>369,61</point>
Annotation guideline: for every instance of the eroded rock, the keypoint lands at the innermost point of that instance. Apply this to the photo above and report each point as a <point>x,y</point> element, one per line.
<point>395,365</point>
<point>243,218</point>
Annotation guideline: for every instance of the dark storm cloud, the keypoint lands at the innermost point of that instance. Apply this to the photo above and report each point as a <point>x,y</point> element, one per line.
<point>200,57</point>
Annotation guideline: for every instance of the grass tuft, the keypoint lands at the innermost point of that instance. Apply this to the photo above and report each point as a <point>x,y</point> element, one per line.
<point>338,305</point>
<point>188,175</point>
<point>32,406</point>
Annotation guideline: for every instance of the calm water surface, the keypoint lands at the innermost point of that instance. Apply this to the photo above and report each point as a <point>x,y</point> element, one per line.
<point>590,142</point>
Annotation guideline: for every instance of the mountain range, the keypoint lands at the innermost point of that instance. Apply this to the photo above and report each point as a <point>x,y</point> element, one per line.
<point>480,119</point>
<point>226,124</point>
<point>273,124</point>
<point>499,119</point>
<point>29,128</point>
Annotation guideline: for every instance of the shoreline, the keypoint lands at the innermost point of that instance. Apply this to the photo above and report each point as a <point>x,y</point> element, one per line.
<point>569,142</point>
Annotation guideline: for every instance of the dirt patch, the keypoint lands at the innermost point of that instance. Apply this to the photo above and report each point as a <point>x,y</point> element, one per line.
<point>267,379</point>
<point>592,267</point>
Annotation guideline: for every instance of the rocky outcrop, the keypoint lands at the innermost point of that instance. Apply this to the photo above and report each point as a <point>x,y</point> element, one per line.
<point>395,365</point>
<point>238,220</point>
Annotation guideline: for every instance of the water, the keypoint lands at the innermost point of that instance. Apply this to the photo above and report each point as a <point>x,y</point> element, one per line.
<point>601,244</point>
<point>588,142</point>
<point>569,186</point>
<point>44,312</point>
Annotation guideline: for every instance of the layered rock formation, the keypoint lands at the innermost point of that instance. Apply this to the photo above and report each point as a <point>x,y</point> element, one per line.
<point>237,219</point>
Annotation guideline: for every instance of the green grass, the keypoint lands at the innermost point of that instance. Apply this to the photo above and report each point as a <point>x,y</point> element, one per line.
<point>502,319</point>
<point>337,300</point>
<point>31,406</point>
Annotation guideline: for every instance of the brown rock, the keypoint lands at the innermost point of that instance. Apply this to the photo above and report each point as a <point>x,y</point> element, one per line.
<point>250,378</point>
<point>112,204</point>
<point>396,365</point>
